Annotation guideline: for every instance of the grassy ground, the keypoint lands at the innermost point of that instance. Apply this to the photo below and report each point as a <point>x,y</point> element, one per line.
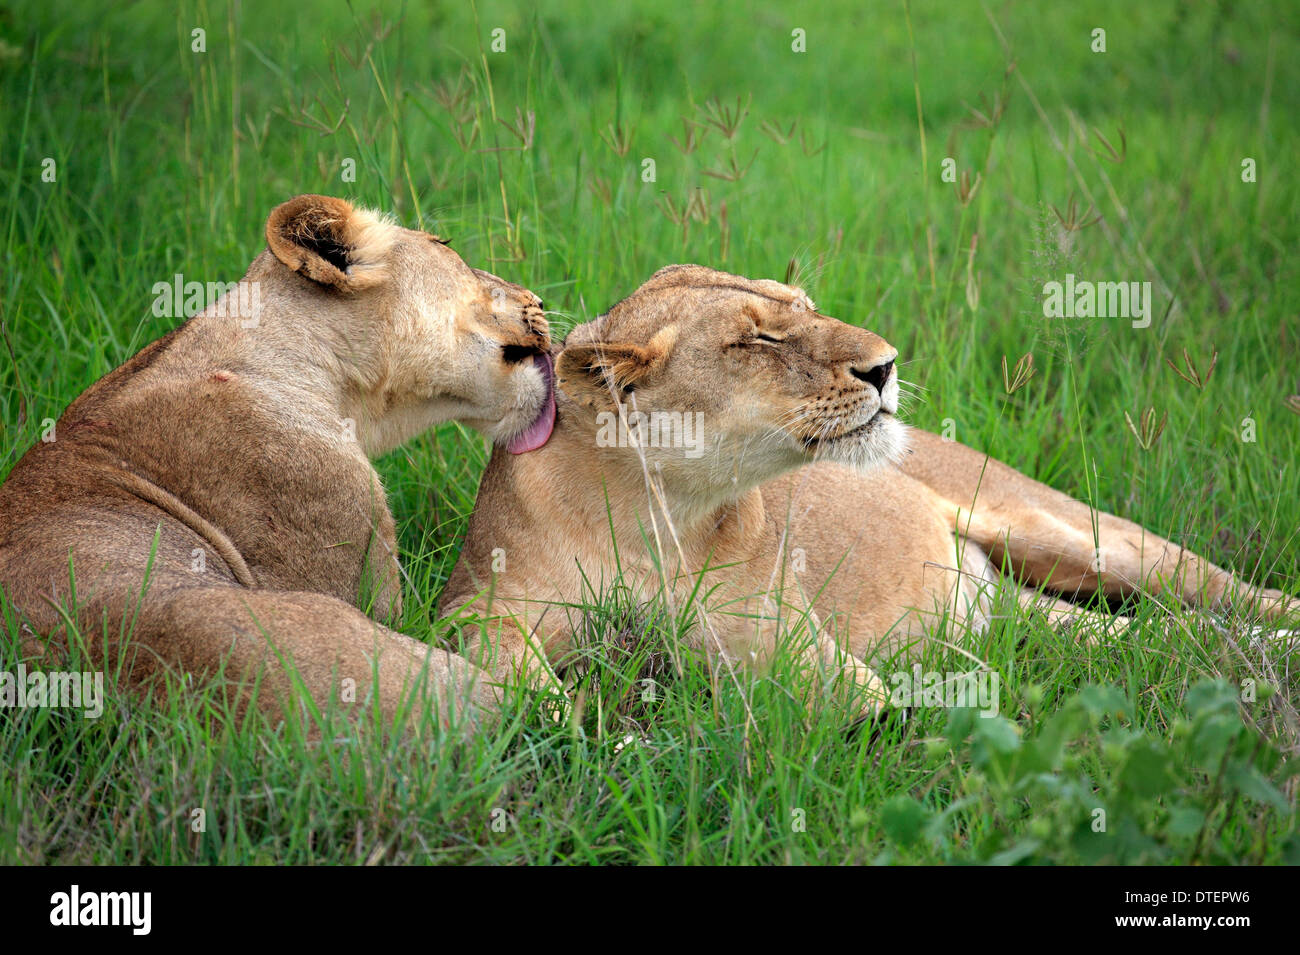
<point>826,165</point>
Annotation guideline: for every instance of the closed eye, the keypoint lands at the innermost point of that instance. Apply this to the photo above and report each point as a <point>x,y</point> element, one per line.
<point>755,337</point>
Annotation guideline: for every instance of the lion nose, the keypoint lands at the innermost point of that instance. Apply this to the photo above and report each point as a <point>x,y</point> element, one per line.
<point>875,372</point>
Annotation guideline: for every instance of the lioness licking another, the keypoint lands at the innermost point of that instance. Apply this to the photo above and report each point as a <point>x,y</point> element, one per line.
<point>210,507</point>
<point>742,452</point>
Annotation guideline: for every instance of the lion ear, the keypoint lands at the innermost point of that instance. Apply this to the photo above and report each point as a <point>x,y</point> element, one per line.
<point>596,373</point>
<point>330,242</point>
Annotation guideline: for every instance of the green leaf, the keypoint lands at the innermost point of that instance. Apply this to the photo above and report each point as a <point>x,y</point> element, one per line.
<point>996,742</point>
<point>903,819</point>
<point>999,734</point>
<point>1291,849</point>
<point>1211,738</point>
<point>1185,821</point>
<point>1101,701</point>
<point>1147,770</point>
<point>1249,782</point>
<point>1211,696</point>
<point>960,719</point>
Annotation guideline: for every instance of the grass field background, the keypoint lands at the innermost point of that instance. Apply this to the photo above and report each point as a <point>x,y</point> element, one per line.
<point>826,166</point>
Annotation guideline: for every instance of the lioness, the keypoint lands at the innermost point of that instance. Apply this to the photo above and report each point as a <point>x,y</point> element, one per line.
<point>210,504</point>
<point>764,507</point>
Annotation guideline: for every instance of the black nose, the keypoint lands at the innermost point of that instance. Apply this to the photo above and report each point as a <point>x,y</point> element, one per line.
<point>514,354</point>
<point>877,375</point>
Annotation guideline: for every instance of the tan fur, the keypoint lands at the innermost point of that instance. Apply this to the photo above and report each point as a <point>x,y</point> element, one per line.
<point>864,556</point>
<point>214,496</point>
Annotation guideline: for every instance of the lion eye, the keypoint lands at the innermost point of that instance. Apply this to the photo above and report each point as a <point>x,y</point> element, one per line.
<point>765,337</point>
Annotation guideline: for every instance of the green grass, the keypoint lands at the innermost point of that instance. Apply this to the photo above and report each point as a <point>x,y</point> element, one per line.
<point>168,161</point>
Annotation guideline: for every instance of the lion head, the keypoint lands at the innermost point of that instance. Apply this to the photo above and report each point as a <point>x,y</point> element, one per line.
<point>719,383</point>
<point>410,333</point>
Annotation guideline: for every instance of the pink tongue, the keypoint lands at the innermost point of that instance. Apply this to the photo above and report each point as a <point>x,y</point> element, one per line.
<point>539,432</point>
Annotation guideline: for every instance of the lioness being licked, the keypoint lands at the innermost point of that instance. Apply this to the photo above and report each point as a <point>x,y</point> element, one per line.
<point>210,505</point>
<point>801,454</point>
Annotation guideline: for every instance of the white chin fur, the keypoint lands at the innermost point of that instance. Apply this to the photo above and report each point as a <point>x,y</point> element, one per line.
<point>884,444</point>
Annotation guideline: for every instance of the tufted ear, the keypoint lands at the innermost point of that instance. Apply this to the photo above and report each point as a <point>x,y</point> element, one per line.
<point>330,242</point>
<point>593,373</point>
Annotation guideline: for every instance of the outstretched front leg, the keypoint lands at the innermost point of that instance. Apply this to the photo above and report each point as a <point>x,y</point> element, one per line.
<point>277,642</point>
<point>1053,541</point>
